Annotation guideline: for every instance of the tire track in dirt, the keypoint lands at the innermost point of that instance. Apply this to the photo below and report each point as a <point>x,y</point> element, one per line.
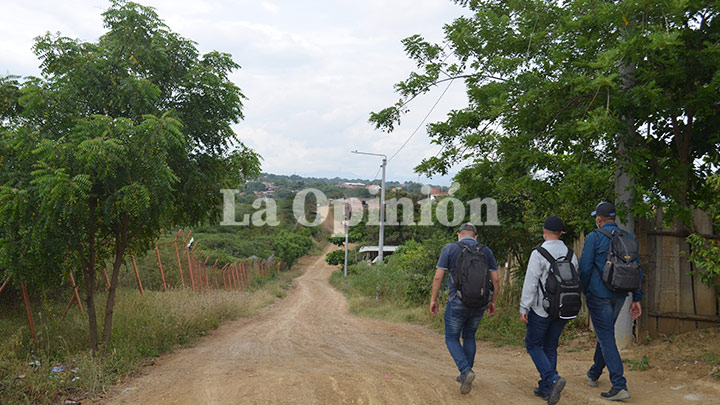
<point>308,349</point>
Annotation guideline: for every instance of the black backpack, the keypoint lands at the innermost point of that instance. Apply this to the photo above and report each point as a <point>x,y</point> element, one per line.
<point>472,276</point>
<point>621,273</point>
<point>561,293</point>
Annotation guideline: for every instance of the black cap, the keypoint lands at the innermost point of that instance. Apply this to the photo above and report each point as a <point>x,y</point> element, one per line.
<point>468,227</point>
<point>604,209</point>
<point>554,224</point>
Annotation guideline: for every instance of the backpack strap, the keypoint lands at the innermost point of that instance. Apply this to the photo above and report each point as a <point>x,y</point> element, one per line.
<point>552,260</point>
<point>545,254</point>
<point>609,235</point>
<point>569,254</point>
<point>463,246</point>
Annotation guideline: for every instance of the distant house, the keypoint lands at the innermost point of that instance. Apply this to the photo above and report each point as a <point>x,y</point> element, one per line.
<point>372,187</point>
<point>352,185</point>
<point>436,194</point>
<point>370,253</point>
<point>369,203</point>
<point>269,188</point>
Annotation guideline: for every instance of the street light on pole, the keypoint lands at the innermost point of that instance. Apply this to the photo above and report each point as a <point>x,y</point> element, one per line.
<point>347,231</point>
<point>382,202</point>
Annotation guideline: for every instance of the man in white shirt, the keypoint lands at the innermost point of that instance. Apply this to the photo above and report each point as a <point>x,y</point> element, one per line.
<point>543,332</point>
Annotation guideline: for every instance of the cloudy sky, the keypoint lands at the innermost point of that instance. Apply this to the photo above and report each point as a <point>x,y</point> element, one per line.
<point>312,71</point>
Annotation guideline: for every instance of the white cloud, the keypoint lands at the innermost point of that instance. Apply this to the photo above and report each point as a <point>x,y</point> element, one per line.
<point>270,7</point>
<point>312,70</point>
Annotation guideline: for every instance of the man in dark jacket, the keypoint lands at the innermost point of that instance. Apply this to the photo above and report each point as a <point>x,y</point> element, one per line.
<point>604,305</point>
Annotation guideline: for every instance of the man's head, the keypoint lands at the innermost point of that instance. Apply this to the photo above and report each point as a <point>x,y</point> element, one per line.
<point>604,213</point>
<point>467,230</point>
<point>552,228</point>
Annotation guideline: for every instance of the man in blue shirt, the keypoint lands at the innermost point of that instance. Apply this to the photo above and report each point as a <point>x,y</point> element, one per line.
<point>459,319</point>
<point>604,305</point>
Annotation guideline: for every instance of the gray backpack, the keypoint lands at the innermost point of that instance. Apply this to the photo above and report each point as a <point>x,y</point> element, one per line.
<point>561,293</point>
<point>621,273</point>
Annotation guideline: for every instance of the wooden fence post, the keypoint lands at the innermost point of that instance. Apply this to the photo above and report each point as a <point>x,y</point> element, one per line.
<point>29,313</point>
<point>107,279</point>
<point>207,283</point>
<point>217,286</point>
<point>162,274</point>
<point>177,255</point>
<point>2,288</point>
<point>237,280</point>
<point>74,298</point>
<point>190,270</point>
<point>137,275</point>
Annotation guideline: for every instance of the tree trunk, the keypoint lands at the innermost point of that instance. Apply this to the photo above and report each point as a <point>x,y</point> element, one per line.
<point>624,198</point>
<point>89,275</point>
<point>120,246</point>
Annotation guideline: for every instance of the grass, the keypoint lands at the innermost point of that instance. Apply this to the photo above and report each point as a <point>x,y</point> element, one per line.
<point>638,365</point>
<point>143,328</point>
<point>503,328</point>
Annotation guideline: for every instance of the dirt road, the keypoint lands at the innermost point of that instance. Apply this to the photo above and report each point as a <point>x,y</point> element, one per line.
<point>307,349</point>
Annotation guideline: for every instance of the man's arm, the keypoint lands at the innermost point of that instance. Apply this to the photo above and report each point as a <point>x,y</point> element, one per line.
<point>496,286</point>
<point>637,294</point>
<point>587,261</point>
<point>530,285</point>
<point>494,278</point>
<point>437,281</point>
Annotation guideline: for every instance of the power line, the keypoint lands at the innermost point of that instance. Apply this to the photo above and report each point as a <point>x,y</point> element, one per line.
<point>377,174</point>
<point>423,121</point>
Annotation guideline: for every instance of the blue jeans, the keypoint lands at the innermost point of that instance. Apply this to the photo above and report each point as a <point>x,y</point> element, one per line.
<point>604,312</point>
<point>462,321</point>
<point>541,342</point>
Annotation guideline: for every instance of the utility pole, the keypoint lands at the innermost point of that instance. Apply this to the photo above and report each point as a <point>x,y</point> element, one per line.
<point>382,202</point>
<point>347,223</point>
<point>624,196</point>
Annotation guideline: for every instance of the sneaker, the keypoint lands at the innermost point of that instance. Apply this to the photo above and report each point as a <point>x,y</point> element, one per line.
<point>616,394</point>
<point>555,391</point>
<point>466,380</point>
<point>591,382</point>
<point>544,395</point>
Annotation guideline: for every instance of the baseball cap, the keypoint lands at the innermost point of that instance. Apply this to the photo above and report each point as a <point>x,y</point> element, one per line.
<point>468,227</point>
<point>554,224</point>
<point>604,209</point>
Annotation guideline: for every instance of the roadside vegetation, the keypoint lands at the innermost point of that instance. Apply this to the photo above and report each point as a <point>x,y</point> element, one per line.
<point>399,291</point>
<point>145,326</point>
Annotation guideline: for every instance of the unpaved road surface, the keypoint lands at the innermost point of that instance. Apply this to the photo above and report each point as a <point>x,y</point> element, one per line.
<point>308,349</point>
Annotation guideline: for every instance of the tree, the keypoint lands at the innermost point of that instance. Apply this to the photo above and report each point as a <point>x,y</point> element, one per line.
<point>556,89</point>
<point>116,141</point>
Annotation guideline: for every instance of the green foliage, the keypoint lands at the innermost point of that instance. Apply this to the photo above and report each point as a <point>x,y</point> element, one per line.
<point>705,255</point>
<point>337,257</point>
<point>561,95</point>
<point>704,252</point>
<point>290,246</point>
<point>406,277</point>
<point>353,237</point>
